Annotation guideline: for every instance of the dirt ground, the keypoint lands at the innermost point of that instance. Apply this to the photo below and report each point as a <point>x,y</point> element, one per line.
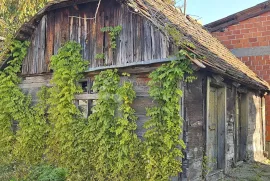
<point>255,171</point>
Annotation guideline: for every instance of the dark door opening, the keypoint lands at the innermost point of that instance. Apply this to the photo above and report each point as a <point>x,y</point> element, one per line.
<point>240,127</point>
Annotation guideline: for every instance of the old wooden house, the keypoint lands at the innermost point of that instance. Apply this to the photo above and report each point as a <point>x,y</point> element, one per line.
<point>223,108</point>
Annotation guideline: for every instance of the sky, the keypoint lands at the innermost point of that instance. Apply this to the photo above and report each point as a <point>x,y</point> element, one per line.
<point>211,10</point>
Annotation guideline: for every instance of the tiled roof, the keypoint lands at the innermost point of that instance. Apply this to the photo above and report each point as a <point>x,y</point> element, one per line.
<point>218,58</point>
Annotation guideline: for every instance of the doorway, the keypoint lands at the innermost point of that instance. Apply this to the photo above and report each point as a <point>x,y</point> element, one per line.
<point>240,127</point>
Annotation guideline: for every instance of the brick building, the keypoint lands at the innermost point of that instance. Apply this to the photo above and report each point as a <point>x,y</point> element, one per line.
<point>247,35</point>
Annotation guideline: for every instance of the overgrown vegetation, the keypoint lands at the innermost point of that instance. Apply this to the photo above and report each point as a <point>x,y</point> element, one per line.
<point>66,121</point>
<point>52,140</point>
<point>14,105</point>
<point>13,14</point>
<point>100,56</point>
<point>115,146</point>
<point>46,173</point>
<point>113,32</point>
<point>163,146</point>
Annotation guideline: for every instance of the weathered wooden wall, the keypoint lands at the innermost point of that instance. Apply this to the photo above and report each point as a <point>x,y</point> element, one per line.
<point>255,140</point>
<point>31,85</point>
<point>138,41</point>
<point>230,122</point>
<point>194,127</point>
<point>195,112</point>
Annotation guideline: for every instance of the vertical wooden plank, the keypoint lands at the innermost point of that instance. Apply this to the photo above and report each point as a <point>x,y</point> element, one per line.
<point>99,34</point>
<point>112,24</point>
<point>263,122</point>
<point>65,26</point>
<point>221,105</point>
<point>129,54</point>
<point>57,31</point>
<point>147,52</point>
<point>137,38</point>
<point>31,53</point>
<point>36,50</point>
<point>83,31</point>
<point>236,128</point>
<point>79,29</point>
<point>25,63</point>
<point>107,42</point>
<point>89,90</point>
<point>84,37</point>
<point>91,36</point>
<point>142,40</point>
<point>74,22</point>
<point>164,47</point>
<point>157,47</point>
<point>76,27</point>
<point>86,34</point>
<point>244,111</point>
<point>49,38</point>
<point>119,21</point>
<point>212,129</point>
<point>42,65</point>
<point>153,41</point>
<point>123,44</point>
<point>71,28</point>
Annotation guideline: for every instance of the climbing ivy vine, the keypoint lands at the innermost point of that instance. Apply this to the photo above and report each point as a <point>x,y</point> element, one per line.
<point>113,32</point>
<point>32,134</point>
<point>115,146</point>
<point>162,142</point>
<point>104,146</point>
<point>11,100</point>
<point>66,121</point>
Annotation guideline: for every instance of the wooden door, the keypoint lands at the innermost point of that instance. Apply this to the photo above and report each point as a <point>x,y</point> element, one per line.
<point>212,143</point>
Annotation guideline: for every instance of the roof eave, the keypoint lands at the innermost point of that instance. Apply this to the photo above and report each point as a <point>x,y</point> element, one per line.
<point>239,16</point>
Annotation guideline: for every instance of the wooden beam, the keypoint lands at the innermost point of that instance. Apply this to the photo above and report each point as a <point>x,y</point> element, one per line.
<point>148,62</point>
<point>140,67</point>
<point>86,96</point>
<point>95,96</point>
<point>67,4</point>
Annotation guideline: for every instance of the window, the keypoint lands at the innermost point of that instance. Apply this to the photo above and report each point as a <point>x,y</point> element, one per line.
<point>85,101</point>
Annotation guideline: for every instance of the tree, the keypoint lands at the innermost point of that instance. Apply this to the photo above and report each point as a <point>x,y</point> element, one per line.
<point>14,13</point>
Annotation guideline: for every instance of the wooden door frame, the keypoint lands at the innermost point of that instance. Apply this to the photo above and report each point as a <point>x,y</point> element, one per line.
<point>222,109</point>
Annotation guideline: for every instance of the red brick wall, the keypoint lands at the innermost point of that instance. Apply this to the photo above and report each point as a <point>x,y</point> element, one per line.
<point>253,32</point>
